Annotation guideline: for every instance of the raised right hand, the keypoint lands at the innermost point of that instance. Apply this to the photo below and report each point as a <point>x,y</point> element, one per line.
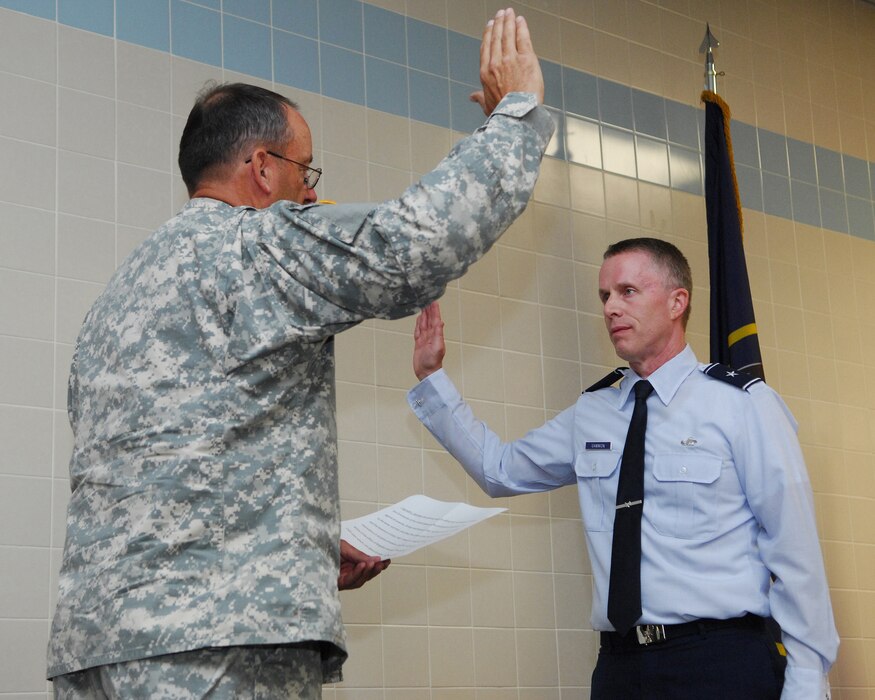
<point>428,342</point>
<point>507,61</point>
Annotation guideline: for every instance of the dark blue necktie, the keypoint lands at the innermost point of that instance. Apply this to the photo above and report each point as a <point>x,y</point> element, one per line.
<point>624,595</point>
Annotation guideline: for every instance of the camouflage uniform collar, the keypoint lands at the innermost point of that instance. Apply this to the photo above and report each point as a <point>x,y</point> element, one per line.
<point>208,203</point>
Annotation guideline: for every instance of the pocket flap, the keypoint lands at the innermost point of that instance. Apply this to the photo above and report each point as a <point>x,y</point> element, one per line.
<point>596,464</point>
<point>696,469</point>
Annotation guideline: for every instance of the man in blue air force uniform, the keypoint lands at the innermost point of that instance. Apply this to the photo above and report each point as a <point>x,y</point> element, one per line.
<point>727,505</point>
<point>203,552</point>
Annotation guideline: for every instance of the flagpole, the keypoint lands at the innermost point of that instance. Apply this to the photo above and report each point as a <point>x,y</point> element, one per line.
<point>734,338</point>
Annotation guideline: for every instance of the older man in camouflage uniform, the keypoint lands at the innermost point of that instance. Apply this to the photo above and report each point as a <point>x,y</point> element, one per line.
<point>203,554</point>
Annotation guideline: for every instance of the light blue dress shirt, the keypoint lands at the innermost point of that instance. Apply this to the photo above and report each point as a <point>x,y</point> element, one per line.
<point>727,500</point>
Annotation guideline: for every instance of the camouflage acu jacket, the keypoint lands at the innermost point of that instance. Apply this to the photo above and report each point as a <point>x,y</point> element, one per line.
<point>204,508</point>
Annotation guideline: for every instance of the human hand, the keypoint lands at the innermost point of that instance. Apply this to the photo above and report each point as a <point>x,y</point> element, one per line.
<point>507,61</point>
<point>428,342</point>
<point>357,568</point>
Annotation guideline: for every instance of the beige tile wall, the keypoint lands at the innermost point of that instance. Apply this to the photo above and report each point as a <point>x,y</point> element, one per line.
<point>87,137</point>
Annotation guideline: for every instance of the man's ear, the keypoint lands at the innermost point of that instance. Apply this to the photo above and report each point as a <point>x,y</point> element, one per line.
<point>679,300</point>
<point>259,171</point>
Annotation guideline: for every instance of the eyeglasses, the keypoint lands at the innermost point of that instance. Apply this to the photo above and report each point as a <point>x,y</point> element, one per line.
<point>311,176</point>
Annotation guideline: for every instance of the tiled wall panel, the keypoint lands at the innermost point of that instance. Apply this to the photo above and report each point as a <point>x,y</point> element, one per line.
<point>96,97</point>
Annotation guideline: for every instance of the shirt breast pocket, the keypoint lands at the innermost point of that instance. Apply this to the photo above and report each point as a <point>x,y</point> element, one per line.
<point>597,484</point>
<point>683,497</point>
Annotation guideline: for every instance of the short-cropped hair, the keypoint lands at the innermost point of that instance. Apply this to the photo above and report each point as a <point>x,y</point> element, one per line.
<point>667,256</point>
<point>227,121</point>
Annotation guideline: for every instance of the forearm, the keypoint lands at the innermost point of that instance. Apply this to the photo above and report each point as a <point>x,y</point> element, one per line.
<point>390,259</point>
<point>538,462</point>
<point>454,214</point>
<point>451,423</point>
<point>780,496</point>
<point>799,601</point>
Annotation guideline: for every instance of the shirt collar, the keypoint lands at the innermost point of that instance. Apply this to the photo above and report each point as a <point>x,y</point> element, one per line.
<point>666,380</point>
<point>205,203</point>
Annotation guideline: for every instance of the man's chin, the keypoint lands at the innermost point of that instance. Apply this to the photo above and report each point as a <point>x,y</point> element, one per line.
<point>622,351</point>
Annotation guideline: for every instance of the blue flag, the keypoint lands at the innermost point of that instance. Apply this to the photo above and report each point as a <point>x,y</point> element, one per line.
<point>734,339</point>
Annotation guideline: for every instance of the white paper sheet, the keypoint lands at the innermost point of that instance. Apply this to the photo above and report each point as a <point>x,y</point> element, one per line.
<point>415,522</point>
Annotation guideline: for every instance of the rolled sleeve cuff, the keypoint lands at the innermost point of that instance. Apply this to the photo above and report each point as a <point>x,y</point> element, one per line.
<point>524,106</point>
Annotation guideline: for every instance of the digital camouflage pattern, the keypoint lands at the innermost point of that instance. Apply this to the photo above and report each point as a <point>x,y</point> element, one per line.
<point>255,673</point>
<point>204,508</point>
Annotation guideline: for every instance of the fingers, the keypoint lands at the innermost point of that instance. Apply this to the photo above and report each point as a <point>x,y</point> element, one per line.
<point>421,325</point>
<point>480,99</point>
<point>425,322</point>
<point>417,329</point>
<point>432,314</point>
<point>352,577</point>
<point>502,35</point>
<point>350,553</point>
<point>507,61</point>
<point>523,37</point>
<point>486,43</point>
<point>497,47</point>
<point>424,318</point>
<point>508,33</point>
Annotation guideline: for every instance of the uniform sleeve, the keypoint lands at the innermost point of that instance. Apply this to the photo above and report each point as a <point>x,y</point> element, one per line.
<point>540,461</point>
<point>777,487</point>
<point>336,265</point>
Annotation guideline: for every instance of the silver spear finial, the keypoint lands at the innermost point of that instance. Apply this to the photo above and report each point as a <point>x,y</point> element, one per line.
<point>709,43</point>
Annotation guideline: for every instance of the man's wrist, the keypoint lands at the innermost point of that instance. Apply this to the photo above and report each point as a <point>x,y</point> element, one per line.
<point>427,372</point>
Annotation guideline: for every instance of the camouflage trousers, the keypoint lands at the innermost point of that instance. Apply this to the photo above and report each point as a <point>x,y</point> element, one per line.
<point>257,672</point>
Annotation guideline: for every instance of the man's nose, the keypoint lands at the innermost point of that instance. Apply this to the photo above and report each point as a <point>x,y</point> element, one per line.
<point>610,306</point>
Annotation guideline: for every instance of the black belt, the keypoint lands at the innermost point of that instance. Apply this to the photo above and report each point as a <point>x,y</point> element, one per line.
<point>645,635</point>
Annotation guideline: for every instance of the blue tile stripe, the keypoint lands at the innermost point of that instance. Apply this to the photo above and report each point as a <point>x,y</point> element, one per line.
<point>352,51</point>
<point>143,22</point>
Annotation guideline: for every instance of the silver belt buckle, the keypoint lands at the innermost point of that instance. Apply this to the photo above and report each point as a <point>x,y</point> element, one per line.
<point>648,634</point>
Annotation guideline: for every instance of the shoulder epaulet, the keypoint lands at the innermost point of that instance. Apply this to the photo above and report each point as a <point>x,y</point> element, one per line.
<point>607,380</point>
<point>742,380</point>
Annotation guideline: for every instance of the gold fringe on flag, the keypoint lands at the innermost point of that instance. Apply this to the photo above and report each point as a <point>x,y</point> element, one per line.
<point>708,96</point>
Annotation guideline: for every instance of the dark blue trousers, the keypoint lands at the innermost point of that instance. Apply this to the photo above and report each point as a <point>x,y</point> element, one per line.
<point>721,664</point>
